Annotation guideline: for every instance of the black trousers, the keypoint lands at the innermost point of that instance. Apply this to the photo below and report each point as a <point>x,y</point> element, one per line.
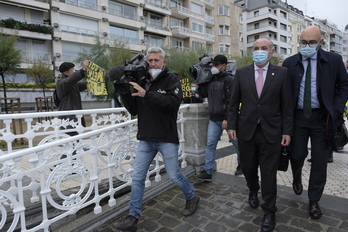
<point>314,128</point>
<point>259,152</point>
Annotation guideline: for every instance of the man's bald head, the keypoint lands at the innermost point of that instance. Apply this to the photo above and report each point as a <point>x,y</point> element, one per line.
<point>311,33</point>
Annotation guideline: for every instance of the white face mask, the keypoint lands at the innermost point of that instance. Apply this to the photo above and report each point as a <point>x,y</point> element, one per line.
<point>215,71</point>
<point>155,72</point>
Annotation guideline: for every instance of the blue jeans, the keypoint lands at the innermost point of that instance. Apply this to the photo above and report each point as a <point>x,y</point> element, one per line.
<point>213,137</point>
<point>146,152</point>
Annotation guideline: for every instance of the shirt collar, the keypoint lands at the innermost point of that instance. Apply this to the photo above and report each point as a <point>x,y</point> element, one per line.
<point>265,68</point>
<point>314,57</point>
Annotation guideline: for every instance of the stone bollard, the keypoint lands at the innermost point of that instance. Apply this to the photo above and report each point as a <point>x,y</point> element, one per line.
<point>196,126</point>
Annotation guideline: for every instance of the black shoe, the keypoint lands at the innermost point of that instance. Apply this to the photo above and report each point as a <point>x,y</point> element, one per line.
<point>330,160</point>
<point>191,206</point>
<point>204,176</point>
<point>314,210</point>
<point>128,223</point>
<point>238,170</point>
<point>268,222</point>
<point>297,186</point>
<point>253,200</point>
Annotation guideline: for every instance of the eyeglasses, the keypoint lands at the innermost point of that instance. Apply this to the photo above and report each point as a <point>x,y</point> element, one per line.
<point>311,43</point>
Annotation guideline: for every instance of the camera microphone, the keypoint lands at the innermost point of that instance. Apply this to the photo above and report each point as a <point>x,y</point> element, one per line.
<point>116,73</point>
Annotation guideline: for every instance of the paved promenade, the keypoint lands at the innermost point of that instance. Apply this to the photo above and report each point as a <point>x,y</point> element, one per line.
<point>224,208</point>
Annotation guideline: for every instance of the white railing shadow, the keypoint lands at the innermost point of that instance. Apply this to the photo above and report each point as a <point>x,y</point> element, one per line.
<point>64,174</point>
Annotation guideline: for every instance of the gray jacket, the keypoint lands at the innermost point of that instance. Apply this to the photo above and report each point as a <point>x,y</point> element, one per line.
<point>68,91</point>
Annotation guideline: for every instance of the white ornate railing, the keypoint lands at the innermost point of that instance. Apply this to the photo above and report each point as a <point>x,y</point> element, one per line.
<point>64,173</point>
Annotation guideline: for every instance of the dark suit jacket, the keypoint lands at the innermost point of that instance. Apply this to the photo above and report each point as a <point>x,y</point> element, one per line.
<point>273,108</point>
<point>332,84</point>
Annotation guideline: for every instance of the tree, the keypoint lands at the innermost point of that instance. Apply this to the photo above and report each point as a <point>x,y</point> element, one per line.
<point>42,75</point>
<point>180,61</point>
<point>106,58</point>
<point>10,59</point>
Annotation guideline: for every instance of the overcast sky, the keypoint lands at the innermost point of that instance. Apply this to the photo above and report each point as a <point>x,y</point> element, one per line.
<point>336,11</point>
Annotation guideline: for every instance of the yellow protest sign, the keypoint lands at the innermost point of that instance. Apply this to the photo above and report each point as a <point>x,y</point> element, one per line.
<point>186,87</point>
<point>95,79</point>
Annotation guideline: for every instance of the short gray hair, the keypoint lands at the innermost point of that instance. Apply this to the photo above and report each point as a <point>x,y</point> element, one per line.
<point>270,42</point>
<point>157,50</point>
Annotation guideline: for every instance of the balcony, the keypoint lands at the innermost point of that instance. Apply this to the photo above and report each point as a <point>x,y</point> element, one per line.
<point>209,4</point>
<point>78,31</point>
<point>81,3</point>
<point>180,12</point>
<point>157,6</point>
<point>210,38</point>
<point>181,32</point>
<point>209,20</point>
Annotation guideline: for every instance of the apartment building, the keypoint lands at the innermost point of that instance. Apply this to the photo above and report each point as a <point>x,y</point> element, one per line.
<point>213,25</point>
<point>266,18</point>
<point>345,44</point>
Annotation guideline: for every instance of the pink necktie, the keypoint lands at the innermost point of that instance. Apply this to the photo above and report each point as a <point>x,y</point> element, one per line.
<point>259,81</point>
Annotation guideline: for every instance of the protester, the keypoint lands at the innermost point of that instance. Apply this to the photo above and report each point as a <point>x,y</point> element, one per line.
<point>320,90</point>
<point>194,98</point>
<point>218,91</point>
<point>263,123</point>
<point>156,102</point>
<point>68,90</point>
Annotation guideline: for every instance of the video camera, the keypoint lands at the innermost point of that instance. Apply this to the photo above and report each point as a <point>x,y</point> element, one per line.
<point>201,72</point>
<point>134,70</point>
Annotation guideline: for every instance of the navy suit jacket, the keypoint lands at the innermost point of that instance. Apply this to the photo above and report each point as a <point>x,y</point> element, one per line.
<point>273,108</point>
<point>332,85</point>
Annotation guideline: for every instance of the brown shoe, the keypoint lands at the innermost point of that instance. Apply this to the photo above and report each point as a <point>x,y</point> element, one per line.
<point>128,223</point>
<point>191,206</point>
<point>314,210</point>
<point>297,186</point>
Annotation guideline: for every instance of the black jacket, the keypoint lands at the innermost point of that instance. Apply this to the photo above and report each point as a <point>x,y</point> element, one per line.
<point>68,91</point>
<point>218,91</point>
<point>157,110</point>
<point>332,85</point>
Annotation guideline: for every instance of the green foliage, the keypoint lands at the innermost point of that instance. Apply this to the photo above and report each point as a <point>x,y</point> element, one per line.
<point>26,85</point>
<point>14,24</point>
<point>179,61</point>
<point>42,75</point>
<point>119,53</point>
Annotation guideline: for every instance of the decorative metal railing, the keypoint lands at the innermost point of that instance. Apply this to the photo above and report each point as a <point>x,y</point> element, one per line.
<point>64,173</point>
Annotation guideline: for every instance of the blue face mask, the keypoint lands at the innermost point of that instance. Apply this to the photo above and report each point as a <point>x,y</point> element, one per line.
<point>308,50</point>
<point>260,57</point>
<point>193,89</point>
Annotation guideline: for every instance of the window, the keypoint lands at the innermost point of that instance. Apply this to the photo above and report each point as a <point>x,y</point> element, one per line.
<point>90,4</point>
<point>283,14</point>
<point>124,35</point>
<point>122,10</point>
<point>197,27</point>
<point>283,38</point>
<point>174,3</point>
<point>36,17</point>
<point>256,37</point>
<point>256,13</point>
<point>224,30</point>
<point>151,40</point>
<point>153,20</point>
<point>197,9</point>
<point>283,26</point>
<point>71,50</point>
<point>78,25</point>
<point>208,31</point>
<point>197,45</point>
<point>177,23</point>
<point>283,51</point>
<point>179,44</point>
<point>224,48</point>
<point>7,11</point>
<point>256,25</point>
<point>224,10</point>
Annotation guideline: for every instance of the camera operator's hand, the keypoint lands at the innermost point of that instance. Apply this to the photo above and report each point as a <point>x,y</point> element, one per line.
<point>141,92</point>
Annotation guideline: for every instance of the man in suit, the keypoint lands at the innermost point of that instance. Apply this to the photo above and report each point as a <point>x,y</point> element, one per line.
<point>316,110</point>
<point>263,124</point>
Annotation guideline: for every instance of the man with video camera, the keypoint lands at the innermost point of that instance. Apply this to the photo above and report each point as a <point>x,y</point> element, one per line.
<point>218,89</point>
<point>156,100</point>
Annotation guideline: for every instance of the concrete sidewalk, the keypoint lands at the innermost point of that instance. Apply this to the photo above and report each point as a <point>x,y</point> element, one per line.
<point>224,207</point>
